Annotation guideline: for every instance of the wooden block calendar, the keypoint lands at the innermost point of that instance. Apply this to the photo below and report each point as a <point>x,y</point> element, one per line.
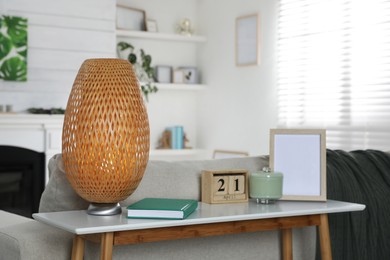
<point>227,186</point>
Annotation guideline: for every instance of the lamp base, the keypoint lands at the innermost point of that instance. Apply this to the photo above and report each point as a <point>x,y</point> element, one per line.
<point>104,209</point>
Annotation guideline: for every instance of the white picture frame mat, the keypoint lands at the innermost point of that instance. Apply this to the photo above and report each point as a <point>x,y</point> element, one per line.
<point>293,149</point>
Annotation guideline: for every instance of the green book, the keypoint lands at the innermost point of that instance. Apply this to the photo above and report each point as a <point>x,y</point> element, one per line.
<point>162,208</point>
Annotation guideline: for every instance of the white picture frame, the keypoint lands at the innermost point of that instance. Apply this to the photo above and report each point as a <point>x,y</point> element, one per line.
<point>190,75</point>
<point>247,40</point>
<point>151,25</point>
<point>163,74</point>
<point>178,76</point>
<point>300,154</point>
<point>128,18</point>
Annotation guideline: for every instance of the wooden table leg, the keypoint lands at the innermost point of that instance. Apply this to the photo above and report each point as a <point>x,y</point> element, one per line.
<point>106,244</point>
<point>287,244</point>
<point>326,250</point>
<point>78,248</point>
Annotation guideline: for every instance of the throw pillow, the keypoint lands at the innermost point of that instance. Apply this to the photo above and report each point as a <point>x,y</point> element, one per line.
<point>58,194</point>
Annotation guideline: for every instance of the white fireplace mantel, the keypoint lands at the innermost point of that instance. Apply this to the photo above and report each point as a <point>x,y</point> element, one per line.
<point>41,133</point>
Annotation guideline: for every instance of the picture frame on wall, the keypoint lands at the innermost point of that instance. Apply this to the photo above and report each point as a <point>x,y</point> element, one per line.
<point>247,40</point>
<point>129,18</point>
<point>151,25</point>
<point>300,154</point>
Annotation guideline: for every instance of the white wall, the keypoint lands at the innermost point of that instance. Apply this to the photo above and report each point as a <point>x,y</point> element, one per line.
<point>61,35</point>
<point>239,107</point>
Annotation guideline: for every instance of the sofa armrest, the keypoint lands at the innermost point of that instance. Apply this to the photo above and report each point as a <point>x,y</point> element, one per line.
<point>35,241</point>
<point>8,219</point>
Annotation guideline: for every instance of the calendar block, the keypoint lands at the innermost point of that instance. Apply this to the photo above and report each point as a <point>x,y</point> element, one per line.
<point>227,186</point>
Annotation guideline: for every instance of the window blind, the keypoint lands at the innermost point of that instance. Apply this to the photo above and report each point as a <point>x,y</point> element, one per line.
<point>333,70</point>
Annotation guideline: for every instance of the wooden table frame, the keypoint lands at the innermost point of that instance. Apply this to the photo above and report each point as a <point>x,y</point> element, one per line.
<point>285,224</point>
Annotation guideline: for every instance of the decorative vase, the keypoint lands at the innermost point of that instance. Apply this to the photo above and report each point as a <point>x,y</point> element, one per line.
<point>105,139</point>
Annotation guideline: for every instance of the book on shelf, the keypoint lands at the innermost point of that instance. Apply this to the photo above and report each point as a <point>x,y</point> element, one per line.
<point>177,137</point>
<point>162,208</point>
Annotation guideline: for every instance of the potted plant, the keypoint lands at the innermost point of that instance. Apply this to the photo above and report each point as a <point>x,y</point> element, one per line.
<point>141,65</point>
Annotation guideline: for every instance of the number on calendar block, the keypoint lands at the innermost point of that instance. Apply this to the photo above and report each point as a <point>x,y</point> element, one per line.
<point>226,186</point>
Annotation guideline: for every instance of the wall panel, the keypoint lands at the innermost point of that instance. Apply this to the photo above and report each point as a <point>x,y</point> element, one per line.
<point>61,35</point>
<point>76,8</point>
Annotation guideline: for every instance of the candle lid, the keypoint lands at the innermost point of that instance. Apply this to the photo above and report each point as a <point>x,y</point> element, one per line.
<point>267,172</point>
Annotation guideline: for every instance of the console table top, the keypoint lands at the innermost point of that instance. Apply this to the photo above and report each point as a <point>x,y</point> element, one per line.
<point>78,222</point>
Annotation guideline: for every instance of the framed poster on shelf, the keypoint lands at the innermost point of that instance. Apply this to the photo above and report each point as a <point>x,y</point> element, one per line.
<point>128,18</point>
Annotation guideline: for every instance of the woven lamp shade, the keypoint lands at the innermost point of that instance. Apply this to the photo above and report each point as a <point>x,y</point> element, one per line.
<point>105,139</point>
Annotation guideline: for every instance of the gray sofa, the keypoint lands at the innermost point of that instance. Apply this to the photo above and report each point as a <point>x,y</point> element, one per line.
<point>23,238</point>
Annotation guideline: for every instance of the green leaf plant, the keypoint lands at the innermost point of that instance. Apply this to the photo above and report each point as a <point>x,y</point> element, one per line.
<point>142,67</point>
<point>13,48</point>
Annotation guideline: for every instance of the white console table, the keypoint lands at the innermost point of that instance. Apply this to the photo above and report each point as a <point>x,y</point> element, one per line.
<point>41,133</point>
<point>207,220</point>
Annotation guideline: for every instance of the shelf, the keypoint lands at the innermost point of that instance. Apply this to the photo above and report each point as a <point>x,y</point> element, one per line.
<point>180,87</point>
<point>157,42</point>
<point>160,36</point>
<point>30,120</point>
<point>182,154</point>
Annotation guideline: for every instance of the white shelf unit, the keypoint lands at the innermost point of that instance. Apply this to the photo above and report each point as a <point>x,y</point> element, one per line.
<point>160,36</point>
<point>175,89</point>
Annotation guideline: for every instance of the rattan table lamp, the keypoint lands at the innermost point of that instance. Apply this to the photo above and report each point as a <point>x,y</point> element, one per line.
<point>105,139</point>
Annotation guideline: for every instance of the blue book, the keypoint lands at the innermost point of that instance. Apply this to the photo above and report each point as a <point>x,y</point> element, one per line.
<point>173,137</point>
<point>179,135</point>
<point>162,208</point>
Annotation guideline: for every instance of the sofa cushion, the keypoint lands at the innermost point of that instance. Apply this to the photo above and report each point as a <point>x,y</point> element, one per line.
<point>178,179</point>
<point>182,179</point>
<point>33,240</point>
<point>58,194</point>
<point>9,219</point>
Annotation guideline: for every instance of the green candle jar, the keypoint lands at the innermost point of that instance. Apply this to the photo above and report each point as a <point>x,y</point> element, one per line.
<point>266,186</point>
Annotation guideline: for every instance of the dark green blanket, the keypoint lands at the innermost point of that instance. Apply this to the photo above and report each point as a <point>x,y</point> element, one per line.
<point>361,177</point>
